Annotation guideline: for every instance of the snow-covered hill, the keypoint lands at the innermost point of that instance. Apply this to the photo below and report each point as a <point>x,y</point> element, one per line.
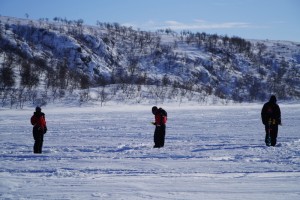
<point>55,58</point>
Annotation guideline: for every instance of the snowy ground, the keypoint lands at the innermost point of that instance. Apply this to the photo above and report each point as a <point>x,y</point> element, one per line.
<point>213,152</point>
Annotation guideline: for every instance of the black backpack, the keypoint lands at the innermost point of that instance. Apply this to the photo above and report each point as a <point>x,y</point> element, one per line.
<point>163,112</point>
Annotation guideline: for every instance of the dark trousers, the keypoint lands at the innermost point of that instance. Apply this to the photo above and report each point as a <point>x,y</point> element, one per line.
<point>273,129</point>
<point>159,136</point>
<point>38,136</point>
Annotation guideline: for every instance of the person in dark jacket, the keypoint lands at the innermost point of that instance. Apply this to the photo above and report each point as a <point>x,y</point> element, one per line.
<point>39,129</point>
<point>271,118</point>
<point>160,126</point>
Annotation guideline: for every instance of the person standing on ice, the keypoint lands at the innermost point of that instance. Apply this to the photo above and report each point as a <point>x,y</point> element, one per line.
<point>39,129</point>
<point>160,126</point>
<point>271,118</point>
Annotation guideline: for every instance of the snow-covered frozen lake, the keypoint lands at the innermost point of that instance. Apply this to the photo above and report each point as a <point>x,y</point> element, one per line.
<point>211,152</point>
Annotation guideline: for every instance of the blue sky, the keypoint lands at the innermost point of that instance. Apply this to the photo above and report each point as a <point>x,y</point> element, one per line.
<point>249,19</point>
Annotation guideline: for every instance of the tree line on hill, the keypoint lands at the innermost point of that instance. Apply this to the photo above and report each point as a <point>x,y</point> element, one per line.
<point>44,61</point>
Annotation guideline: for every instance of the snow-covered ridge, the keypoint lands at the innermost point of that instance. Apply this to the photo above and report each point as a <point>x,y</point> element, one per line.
<point>70,55</point>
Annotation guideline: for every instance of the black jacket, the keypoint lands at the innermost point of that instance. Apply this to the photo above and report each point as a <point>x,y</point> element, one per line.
<point>271,111</point>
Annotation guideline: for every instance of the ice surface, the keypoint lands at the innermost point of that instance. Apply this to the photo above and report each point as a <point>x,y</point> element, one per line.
<point>211,152</point>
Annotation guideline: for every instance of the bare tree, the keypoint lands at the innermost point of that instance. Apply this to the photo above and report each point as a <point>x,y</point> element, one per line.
<point>102,95</point>
<point>29,78</point>
<point>7,77</point>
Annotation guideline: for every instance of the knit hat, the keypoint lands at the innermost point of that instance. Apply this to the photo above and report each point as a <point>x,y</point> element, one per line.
<point>38,109</point>
<point>273,99</point>
<point>154,109</point>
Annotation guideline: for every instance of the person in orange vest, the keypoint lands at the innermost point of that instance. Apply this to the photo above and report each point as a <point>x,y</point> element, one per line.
<point>160,126</point>
<point>39,129</point>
